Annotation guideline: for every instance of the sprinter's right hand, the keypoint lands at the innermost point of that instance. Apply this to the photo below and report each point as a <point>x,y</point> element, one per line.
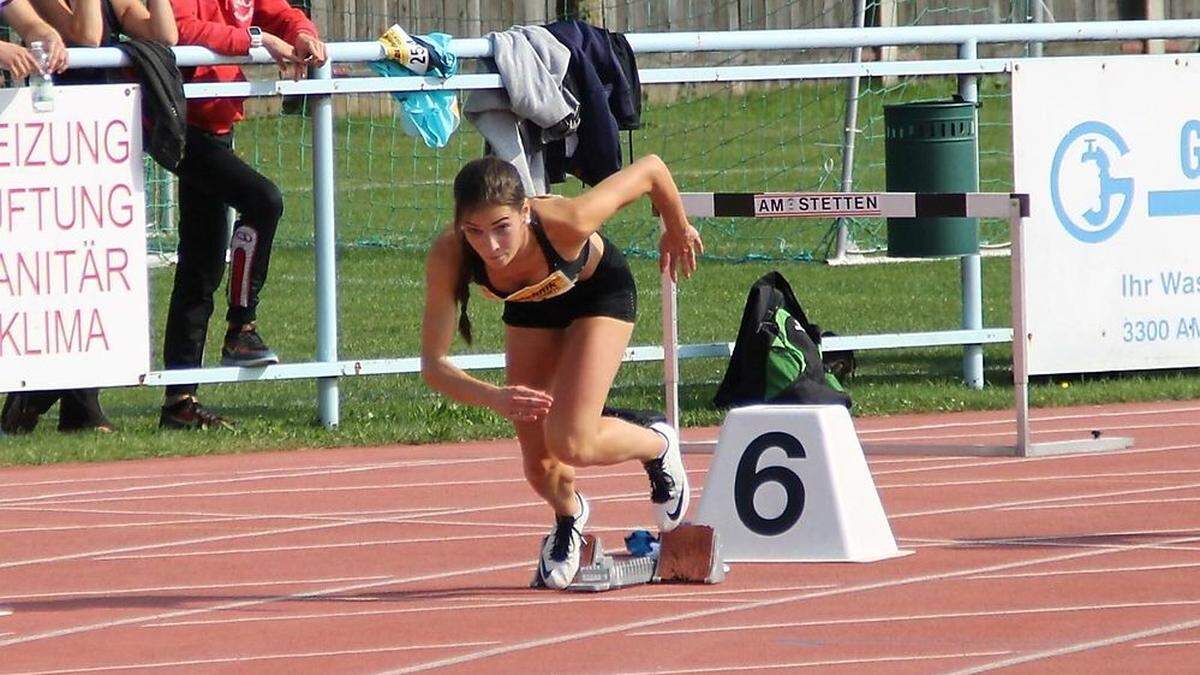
<point>521,404</point>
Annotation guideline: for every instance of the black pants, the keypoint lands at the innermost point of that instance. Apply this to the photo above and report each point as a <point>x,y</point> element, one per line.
<point>79,408</point>
<point>211,178</point>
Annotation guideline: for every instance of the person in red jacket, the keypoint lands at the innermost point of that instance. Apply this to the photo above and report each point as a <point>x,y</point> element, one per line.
<point>212,178</point>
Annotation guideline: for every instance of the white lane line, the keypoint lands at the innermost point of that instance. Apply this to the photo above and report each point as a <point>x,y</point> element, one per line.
<point>243,479</point>
<point>340,488</point>
<point>209,518</point>
<point>322,547</point>
<point>1040,479</point>
<point>274,491</point>
<point>314,515</point>
<point>101,592</point>
<point>1078,647</point>
<point>509,525</point>
<point>1171,643</point>
<point>250,658</point>
<point>566,637</point>
<point>532,526</point>
<point>1039,419</point>
<point>528,531</point>
<point>302,490</point>
<point>1094,570</point>
<point>109,526</point>
<point>1044,500</point>
<point>190,474</point>
<point>1110,429</point>
<point>673,593</point>
<point>914,459</point>
<point>1121,502</point>
<point>911,543</point>
<point>896,618</point>
<point>503,602</point>
<point>475,607</point>
<point>256,602</point>
<point>264,533</point>
<point>1028,460</point>
<point>743,591</point>
<point>957,463</point>
<point>334,516</point>
<point>1047,542</point>
<point>821,664</point>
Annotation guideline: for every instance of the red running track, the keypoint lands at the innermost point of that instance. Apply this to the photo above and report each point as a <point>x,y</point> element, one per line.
<point>412,558</point>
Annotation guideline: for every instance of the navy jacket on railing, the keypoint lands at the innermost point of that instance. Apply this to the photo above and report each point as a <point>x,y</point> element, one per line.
<point>608,101</point>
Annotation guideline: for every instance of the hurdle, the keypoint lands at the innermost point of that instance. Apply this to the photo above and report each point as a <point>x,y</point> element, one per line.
<point>1013,207</point>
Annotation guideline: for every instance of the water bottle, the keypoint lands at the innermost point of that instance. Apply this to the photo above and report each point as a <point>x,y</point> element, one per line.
<point>42,81</point>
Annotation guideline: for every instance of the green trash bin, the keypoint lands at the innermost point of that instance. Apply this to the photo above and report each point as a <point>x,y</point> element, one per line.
<point>931,146</point>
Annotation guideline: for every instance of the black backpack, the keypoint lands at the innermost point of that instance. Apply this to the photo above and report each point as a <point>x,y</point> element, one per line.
<point>777,356</point>
<point>164,105</point>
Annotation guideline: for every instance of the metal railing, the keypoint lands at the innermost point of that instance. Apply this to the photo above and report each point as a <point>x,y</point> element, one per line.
<point>327,367</point>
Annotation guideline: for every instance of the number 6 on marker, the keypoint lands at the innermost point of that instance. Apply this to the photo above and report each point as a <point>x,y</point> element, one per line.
<point>749,479</point>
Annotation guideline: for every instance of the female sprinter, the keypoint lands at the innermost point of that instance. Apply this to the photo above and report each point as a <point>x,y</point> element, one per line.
<point>569,306</point>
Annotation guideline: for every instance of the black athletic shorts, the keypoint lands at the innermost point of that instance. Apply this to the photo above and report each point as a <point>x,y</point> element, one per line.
<point>610,291</point>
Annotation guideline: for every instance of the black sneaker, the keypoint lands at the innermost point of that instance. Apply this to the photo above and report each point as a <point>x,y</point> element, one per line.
<point>14,418</point>
<point>187,413</point>
<point>244,347</point>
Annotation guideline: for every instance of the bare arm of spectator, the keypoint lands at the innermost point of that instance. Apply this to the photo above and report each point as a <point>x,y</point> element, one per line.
<point>80,25</point>
<point>25,20</point>
<point>152,21</point>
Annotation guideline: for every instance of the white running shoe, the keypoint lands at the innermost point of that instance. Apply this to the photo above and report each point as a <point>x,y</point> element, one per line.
<point>561,549</point>
<point>668,481</point>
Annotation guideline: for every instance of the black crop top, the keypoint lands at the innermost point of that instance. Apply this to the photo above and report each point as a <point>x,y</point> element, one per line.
<point>562,277</point>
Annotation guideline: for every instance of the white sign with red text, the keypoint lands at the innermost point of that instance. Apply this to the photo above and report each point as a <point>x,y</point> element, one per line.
<point>73,281</point>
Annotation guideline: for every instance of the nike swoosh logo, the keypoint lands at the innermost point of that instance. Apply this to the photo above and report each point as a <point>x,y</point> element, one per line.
<point>678,508</point>
<point>543,571</point>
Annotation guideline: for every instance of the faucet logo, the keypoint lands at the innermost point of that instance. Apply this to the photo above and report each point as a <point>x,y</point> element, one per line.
<point>1085,157</point>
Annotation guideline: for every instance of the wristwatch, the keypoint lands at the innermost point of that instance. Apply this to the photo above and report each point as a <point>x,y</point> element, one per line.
<point>256,39</point>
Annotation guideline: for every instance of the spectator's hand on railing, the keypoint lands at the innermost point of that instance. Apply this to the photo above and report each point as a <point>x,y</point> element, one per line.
<point>310,50</point>
<point>17,60</point>
<point>285,57</point>
<point>55,48</point>
<point>58,52</point>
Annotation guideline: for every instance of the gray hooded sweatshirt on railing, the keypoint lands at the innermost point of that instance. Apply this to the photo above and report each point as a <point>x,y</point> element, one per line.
<point>532,109</point>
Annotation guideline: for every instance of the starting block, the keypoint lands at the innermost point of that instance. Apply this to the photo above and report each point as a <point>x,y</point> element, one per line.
<point>689,554</point>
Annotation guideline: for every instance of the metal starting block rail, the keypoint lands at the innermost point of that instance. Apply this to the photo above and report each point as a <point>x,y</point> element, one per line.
<point>687,554</point>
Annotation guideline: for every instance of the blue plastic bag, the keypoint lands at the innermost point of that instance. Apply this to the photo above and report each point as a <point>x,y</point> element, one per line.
<point>641,543</point>
<point>432,116</point>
